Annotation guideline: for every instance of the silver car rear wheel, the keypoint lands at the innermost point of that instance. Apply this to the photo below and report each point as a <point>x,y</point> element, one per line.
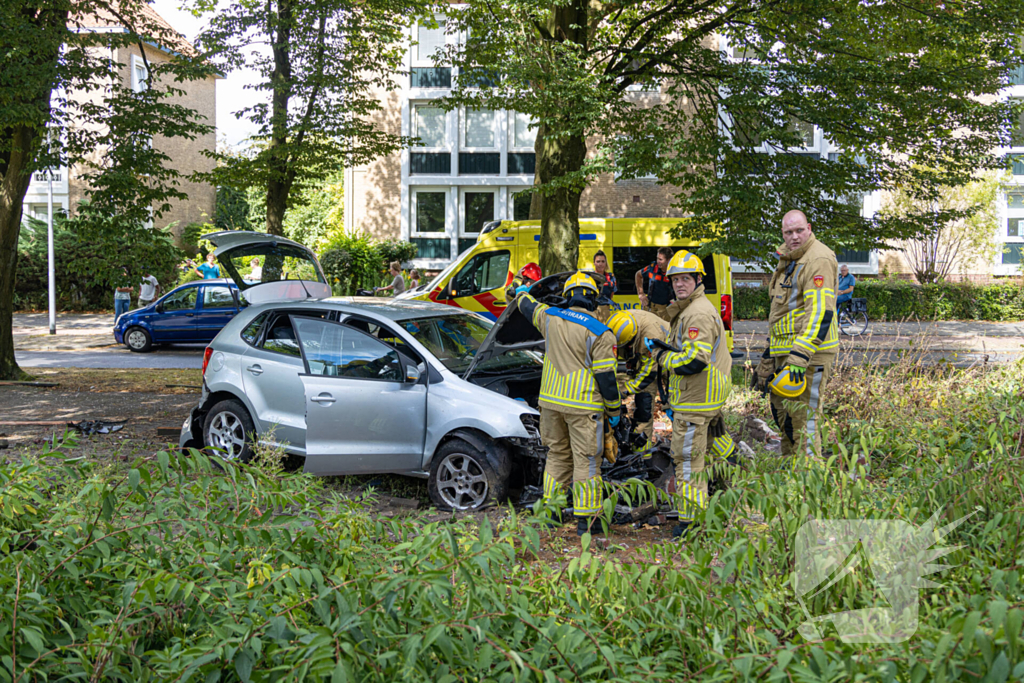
<point>228,429</point>
<point>461,482</point>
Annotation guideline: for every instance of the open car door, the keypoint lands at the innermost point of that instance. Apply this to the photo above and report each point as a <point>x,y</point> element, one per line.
<point>269,268</point>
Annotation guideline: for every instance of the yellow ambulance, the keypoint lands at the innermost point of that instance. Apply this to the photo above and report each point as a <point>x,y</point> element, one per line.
<point>476,280</point>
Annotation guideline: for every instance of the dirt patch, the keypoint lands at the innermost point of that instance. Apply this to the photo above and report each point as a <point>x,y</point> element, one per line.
<point>121,380</point>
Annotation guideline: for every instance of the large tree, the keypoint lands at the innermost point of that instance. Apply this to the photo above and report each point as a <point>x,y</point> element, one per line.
<point>65,102</point>
<point>899,85</point>
<point>319,65</point>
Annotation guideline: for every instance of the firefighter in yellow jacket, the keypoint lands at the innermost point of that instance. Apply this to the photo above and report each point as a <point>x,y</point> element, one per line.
<point>699,368</point>
<point>578,389</point>
<point>804,335</point>
<point>631,328</point>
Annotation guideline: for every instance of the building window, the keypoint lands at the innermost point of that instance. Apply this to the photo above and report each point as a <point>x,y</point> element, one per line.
<point>1012,253</point>
<point>428,42</point>
<point>430,77</point>
<point>479,163</point>
<point>1013,227</point>
<point>1017,134</point>
<point>478,207</point>
<point>429,124</point>
<point>522,163</point>
<point>521,205</point>
<point>521,137</point>
<point>139,74</point>
<point>430,163</point>
<point>428,211</point>
<point>478,130</point>
<point>1015,200</point>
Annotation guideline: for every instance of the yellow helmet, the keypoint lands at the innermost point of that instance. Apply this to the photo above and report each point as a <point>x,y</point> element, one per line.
<point>623,325</point>
<point>580,279</point>
<point>784,386</point>
<point>683,262</point>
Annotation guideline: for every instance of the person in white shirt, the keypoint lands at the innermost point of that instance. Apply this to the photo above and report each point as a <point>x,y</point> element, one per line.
<point>257,270</point>
<point>149,289</point>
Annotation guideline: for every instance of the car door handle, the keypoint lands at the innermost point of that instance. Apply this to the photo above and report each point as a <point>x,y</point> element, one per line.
<point>255,369</point>
<point>189,315</point>
<point>323,399</point>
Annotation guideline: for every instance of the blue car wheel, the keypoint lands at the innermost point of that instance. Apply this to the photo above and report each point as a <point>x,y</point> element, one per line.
<point>138,340</point>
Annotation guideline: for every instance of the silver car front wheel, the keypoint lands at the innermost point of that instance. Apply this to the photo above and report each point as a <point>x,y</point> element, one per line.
<point>462,477</point>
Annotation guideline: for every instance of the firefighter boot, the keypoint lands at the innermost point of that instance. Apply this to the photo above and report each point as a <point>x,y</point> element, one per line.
<point>679,530</point>
<point>591,525</point>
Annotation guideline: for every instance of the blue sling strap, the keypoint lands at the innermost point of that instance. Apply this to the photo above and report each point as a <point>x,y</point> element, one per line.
<point>592,324</point>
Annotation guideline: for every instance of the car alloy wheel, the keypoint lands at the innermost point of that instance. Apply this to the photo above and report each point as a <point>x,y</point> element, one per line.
<point>227,434</point>
<point>461,482</point>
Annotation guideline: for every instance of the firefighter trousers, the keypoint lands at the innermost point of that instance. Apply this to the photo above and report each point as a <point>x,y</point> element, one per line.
<point>689,446</point>
<point>575,449</point>
<point>799,418</point>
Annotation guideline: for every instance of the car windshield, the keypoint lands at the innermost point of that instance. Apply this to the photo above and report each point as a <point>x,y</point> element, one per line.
<point>454,340</point>
<point>440,277</point>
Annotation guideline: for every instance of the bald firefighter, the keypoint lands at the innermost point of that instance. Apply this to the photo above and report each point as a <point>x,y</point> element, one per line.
<point>578,390</point>
<point>804,335</point>
<point>631,329</point>
<point>699,368</point>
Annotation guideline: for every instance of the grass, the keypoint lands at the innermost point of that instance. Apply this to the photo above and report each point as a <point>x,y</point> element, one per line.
<point>115,380</point>
<point>172,569</point>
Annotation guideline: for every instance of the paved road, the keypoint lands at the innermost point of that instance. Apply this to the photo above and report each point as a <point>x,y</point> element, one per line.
<point>184,356</point>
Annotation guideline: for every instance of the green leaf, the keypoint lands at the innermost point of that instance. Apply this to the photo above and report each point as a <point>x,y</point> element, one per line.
<point>243,665</point>
<point>134,477</point>
<point>35,639</point>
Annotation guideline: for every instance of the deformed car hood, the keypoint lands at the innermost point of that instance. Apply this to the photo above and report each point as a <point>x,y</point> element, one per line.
<point>231,243</point>
<point>514,331</point>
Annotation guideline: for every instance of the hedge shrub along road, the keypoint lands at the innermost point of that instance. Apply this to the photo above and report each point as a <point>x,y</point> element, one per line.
<point>896,300</point>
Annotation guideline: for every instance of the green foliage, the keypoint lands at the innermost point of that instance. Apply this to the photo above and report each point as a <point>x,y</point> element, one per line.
<point>396,250</point>
<point>232,212</point>
<point>316,212</point>
<point>192,237</point>
<point>173,568</point>
<point>899,300</point>
<point>354,262</point>
<point>87,265</point>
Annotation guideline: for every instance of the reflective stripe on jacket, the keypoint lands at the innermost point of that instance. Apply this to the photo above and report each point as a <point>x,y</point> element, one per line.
<point>698,333</point>
<point>648,326</point>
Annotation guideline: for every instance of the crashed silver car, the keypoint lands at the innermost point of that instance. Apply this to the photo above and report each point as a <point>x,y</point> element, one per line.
<point>367,385</point>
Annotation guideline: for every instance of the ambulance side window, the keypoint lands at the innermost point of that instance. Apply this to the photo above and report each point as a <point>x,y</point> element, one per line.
<point>483,273</point>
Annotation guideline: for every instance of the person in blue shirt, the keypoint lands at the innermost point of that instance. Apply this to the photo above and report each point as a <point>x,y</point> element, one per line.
<point>208,271</point>
<point>844,288</point>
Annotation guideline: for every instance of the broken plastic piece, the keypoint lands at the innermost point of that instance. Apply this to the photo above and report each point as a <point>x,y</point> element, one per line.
<point>89,427</point>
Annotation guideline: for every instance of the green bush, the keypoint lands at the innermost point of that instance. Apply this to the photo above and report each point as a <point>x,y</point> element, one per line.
<point>899,300</point>
<point>87,266</point>
<point>354,262</point>
<point>396,250</point>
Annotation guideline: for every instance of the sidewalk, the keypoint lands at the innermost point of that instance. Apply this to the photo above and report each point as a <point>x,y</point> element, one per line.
<point>75,331</point>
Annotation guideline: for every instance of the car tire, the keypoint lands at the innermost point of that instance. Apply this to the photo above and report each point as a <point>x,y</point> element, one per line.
<point>228,431</point>
<point>462,477</point>
<point>138,340</point>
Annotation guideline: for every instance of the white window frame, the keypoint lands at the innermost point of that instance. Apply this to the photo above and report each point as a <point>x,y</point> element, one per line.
<point>139,74</point>
<point>464,120</point>
<point>512,134</point>
<point>447,146</point>
<point>1004,237</point>
<point>477,189</point>
<point>815,145</point>
<point>414,48</point>
<point>414,192</point>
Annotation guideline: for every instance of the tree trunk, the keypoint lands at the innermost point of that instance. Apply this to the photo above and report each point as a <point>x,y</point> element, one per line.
<point>13,187</point>
<point>560,209</point>
<point>278,182</point>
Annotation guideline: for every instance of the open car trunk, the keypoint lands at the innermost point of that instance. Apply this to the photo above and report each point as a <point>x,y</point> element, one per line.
<point>268,268</point>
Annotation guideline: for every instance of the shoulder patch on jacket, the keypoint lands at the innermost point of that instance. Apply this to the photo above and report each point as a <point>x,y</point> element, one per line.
<point>592,324</point>
<point>819,281</point>
<point>693,332</point>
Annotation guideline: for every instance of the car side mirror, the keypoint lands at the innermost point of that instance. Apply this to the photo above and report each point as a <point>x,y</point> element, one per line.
<point>446,293</point>
<point>412,374</point>
<point>159,308</point>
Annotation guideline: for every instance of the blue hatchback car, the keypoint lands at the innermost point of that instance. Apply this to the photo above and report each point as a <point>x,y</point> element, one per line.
<point>191,314</point>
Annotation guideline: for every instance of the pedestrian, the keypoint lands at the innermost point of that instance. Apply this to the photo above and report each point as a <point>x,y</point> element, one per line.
<point>844,289</point>
<point>397,283</point>
<point>208,270</point>
<point>256,272</point>
<point>632,329</point>
<point>653,286</point>
<point>414,278</point>
<point>149,289</point>
<point>699,369</point>
<point>578,391</point>
<point>607,283</point>
<point>122,293</point>
<point>804,335</point>
<point>527,276</point>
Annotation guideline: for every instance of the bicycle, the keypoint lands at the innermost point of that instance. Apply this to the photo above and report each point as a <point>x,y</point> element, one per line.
<point>853,317</point>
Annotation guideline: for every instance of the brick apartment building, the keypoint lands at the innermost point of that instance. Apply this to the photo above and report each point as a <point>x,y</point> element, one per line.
<point>186,155</point>
<point>473,166</point>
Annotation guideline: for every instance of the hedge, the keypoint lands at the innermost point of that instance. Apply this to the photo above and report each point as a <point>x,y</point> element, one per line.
<point>898,300</point>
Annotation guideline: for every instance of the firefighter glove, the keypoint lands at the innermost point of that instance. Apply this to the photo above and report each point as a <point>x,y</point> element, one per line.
<point>669,414</point>
<point>796,373</point>
<point>614,421</point>
<point>522,288</point>
<point>649,343</point>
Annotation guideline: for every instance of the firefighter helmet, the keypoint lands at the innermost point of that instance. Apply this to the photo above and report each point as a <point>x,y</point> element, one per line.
<point>579,280</point>
<point>685,263</point>
<point>532,271</point>
<point>623,325</point>
<point>784,386</point>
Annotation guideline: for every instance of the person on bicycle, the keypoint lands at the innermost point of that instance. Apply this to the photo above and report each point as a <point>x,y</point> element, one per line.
<point>804,335</point>
<point>844,290</point>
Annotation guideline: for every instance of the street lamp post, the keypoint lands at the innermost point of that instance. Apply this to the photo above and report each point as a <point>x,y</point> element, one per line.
<point>49,252</point>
